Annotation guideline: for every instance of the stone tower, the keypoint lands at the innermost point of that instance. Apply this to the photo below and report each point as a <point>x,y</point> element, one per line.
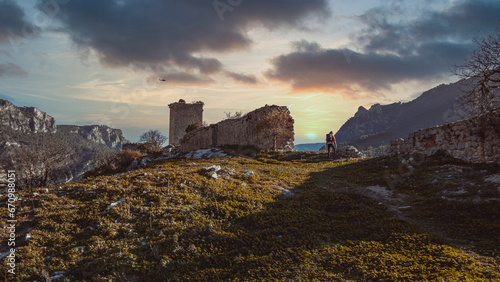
<point>182,115</point>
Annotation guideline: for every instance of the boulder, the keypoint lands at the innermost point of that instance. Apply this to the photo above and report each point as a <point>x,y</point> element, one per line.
<point>346,152</point>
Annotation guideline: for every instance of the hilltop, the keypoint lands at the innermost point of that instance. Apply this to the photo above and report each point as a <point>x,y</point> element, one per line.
<point>274,216</point>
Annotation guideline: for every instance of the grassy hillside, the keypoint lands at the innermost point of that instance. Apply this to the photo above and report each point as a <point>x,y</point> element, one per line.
<point>275,217</point>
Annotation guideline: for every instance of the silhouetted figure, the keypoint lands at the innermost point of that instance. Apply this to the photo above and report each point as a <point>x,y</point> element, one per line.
<point>331,143</point>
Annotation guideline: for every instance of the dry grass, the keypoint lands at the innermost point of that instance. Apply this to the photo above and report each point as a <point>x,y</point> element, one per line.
<point>177,223</point>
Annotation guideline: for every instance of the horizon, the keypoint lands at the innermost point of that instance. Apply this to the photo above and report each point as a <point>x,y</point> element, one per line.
<point>120,63</point>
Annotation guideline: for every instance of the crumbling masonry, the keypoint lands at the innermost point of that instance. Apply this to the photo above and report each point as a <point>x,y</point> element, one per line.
<point>182,115</point>
<point>244,131</point>
<point>471,140</point>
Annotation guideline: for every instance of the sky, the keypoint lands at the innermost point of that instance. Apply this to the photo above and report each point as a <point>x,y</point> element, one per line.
<point>100,62</point>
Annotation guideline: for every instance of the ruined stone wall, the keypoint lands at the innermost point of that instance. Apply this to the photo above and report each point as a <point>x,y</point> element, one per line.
<point>242,131</point>
<point>182,115</point>
<point>200,138</point>
<point>473,140</point>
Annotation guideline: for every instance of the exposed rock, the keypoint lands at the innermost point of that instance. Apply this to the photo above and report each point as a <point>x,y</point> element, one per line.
<point>6,144</point>
<point>207,154</point>
<point>113,205</point>
<point>286,192</point>
<point>495,178</point>
<point>214,168</point>
<point>347,152</point>
<point>145,161</point>
<point>21,127</point>
<point>102,134</point>
<point>171,151</point>
<point>25,119</point>
<point>140,163</point>
<point>383,123</point>
<point>214,175</point>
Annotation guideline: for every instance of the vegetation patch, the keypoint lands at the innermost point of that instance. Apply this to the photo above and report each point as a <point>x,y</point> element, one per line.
<point>174,221</point>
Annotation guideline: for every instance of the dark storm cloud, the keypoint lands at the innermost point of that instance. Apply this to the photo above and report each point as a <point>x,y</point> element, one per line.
<point>11,69</point>
<point>389,53</point>
<point>344,69</point>
<point>460,22</point>
<point>173,33</point>
<point>11,20</point>
<point>249,79</point>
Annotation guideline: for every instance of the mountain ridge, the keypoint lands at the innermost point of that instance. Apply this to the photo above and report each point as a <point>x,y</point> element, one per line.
<point>381,123</point>
<point>23,128</point>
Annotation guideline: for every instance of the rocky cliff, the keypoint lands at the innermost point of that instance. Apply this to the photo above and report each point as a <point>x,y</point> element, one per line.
<point>24,128</point>
<point>26,119</point>
<point>101,134</point>
<point>382,123</point>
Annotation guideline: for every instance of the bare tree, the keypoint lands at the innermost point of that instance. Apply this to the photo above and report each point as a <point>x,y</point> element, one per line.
<point>105,160</point>
<point>274,124</point>
<point>153,140</point>
<point>38,164</point>
<point>235,116</point>
<point>481,73</point>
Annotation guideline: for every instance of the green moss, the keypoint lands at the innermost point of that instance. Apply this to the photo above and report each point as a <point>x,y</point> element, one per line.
<point>176,223</point>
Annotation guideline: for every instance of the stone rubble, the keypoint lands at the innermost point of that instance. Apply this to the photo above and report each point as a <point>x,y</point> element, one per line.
<point>346,152</point>
<point>113,205</point>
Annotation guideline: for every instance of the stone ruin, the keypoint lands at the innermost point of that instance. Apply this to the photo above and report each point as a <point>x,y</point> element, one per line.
<point>473,140</point>
<point>182,115</point>
<point>248,130</point>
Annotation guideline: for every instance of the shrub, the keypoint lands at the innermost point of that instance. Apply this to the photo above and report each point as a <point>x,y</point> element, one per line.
<point>193,126</point>
<point>124,158</point>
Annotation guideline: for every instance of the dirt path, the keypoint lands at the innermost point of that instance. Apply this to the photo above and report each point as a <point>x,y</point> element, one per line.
<point>398,204</point>
<point>393,202</point>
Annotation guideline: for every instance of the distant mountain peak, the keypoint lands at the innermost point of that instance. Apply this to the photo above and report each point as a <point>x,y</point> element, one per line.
<point>385,122</point>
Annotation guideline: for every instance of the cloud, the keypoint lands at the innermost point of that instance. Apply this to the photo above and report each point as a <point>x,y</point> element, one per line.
<point>389,53</point>
<point>244,78</point>
<point>5,53</point>
<point>11,20</point>
<point>349,72</point>
<point>172,34</point>
<point>459,22</point>
<point>10,69</point>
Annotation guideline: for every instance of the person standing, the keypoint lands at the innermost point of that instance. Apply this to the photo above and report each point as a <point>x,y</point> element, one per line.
<point>331,143</point>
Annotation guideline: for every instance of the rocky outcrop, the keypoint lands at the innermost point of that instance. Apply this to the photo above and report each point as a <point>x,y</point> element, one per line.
<point>346,152</point>
<point>26,119</point>
<point>111,137</point>
<point>22,128</point>
<point>471,140</point>
<point>382,123</point>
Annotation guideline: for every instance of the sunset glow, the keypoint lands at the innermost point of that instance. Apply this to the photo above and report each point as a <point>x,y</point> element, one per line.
<point>323,59</point>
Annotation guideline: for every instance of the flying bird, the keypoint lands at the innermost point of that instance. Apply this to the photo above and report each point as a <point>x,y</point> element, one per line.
<point>162,79</point>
